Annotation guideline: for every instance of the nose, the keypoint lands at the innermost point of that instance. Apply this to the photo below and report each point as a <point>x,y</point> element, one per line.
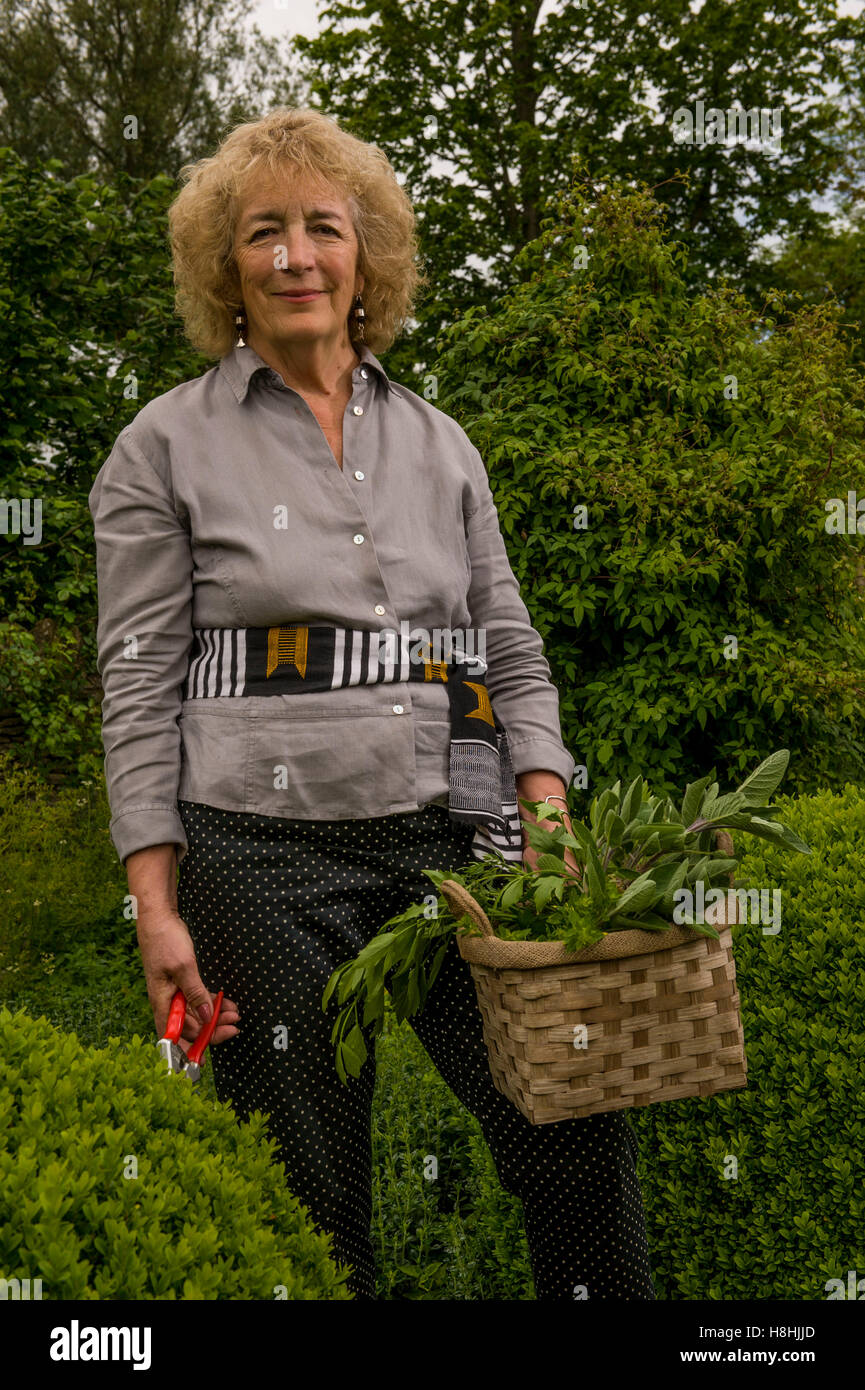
<point>299,252</point>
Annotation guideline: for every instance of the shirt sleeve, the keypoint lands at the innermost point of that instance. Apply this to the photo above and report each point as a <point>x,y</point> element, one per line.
<point>144,635</point>
<point>524,699</point>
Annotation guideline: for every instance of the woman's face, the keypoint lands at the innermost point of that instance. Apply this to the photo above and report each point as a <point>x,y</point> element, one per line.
<point>293,234</point>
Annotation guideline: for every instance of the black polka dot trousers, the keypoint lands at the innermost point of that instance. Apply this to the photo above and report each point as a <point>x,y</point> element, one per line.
<point>273,907</point>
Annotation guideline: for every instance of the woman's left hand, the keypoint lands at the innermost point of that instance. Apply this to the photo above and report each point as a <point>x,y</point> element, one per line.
<point>530,856</point>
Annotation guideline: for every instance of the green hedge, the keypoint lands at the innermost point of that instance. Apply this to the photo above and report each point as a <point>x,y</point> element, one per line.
<point>118,1181</point>
<point>795,1215</point>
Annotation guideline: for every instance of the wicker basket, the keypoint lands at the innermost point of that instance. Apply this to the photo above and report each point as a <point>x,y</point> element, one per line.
<point>662,1021</point>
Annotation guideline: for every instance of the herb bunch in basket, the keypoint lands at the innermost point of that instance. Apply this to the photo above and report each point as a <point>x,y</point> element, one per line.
<point>635,856</point>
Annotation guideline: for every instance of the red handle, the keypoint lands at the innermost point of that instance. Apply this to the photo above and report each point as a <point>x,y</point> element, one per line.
<point>195,1052</point>
<point>176,1016</point>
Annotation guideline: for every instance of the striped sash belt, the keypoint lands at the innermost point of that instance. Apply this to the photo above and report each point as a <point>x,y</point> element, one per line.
<point>297,659</point>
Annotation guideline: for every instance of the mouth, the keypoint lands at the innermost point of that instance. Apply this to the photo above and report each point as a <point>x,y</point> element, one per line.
<point>299,296</point>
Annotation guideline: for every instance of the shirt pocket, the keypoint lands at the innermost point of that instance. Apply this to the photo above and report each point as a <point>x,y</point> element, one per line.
<point>215,749</point>
<point>433,750</point>
<point>319,765</point>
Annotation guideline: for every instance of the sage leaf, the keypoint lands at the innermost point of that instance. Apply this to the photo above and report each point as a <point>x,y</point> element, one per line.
<point>765,778</point>
<point>693,800</point>
<point>633,800</point>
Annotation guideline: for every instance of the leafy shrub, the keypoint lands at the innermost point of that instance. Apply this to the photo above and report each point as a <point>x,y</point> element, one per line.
<point>68,945</point>
<point>87,333</point>
<point>612,388</point>
<point>795,1215</point>
<point>208,1215</point>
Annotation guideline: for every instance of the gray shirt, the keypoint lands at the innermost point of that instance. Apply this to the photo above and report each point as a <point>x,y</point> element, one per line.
<point>222,505</point>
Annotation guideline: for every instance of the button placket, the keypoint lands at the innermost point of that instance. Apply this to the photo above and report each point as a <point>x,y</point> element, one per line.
<point>357,411</point>
<point>360,476</point>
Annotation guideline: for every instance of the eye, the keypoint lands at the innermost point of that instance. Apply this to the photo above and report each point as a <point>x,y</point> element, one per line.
<point>325,227</point>
<point>266,231</point>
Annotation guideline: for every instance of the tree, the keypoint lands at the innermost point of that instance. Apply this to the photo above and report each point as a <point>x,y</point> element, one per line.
<point>481,105</point>
<point>828,264</point>
<point>138,86</point>
<point>662,459</point>
<point>87,334</point>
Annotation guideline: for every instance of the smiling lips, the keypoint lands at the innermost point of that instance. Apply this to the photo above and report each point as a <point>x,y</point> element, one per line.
<point>299,295</point>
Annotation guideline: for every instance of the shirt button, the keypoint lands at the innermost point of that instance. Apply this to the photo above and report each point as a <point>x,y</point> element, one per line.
<point>360,476</point>
<point>358,540</point>
<point>358,410</point>
<point>379,608</point>
<point>363,372</point>
<point>397,709</point>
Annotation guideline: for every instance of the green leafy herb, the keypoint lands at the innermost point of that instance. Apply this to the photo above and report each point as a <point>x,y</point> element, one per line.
<point>635,855</point>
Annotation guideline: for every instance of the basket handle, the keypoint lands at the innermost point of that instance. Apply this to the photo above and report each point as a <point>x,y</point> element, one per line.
<point>461,902</point>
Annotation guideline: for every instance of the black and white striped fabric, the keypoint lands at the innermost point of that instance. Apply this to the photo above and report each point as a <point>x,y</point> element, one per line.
<point>302,659</point>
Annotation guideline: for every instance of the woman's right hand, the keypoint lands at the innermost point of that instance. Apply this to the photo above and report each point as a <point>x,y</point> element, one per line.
<point>169,963</point>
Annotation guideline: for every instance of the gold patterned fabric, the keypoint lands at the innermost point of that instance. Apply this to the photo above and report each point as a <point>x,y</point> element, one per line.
<point>299,658</point>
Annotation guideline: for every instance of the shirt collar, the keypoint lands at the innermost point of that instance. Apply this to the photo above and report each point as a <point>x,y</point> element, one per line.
<point>241,364</point>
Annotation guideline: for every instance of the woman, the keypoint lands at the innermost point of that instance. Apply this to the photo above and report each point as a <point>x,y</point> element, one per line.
<point>269,530</point>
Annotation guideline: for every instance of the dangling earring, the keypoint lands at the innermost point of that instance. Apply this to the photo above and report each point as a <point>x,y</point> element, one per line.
<point>359,317</point>
<point>240,324</point>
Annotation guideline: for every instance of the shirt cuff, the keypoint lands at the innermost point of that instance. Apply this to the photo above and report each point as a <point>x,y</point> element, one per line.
<point>144,826</point>
<point>535,754</point>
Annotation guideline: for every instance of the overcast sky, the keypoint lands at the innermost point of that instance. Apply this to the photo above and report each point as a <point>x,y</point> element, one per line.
<point>287,17</point>
<point>300,16</point>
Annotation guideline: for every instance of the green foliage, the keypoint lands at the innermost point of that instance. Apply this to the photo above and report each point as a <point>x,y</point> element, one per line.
<point>607,387</point>
<point>203,1213</point>
<point>406,958</point>
<point>794,1215</point>
<point>510,93</point>
<point>444,1232</point>
<point>134,86</point>
<point>87,333</point>
<point>823,264</point>
<point>64,908</point>
<point>637,860</point>
<point>652,850</point>
<point>792,1219</point>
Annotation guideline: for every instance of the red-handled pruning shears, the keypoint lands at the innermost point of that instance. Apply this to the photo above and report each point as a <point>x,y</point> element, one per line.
<point>189,1063</point>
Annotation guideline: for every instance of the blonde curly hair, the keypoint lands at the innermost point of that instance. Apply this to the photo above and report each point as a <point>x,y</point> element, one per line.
<point>203,216</point>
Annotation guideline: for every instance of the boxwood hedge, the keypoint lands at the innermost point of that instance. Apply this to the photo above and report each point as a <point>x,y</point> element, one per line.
<point>118,1181</point>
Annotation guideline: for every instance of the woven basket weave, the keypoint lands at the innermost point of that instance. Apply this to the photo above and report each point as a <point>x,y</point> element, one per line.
<point>662,1021</point>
